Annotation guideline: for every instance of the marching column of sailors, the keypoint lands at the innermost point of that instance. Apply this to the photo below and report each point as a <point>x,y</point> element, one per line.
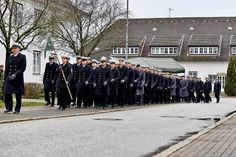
<point>107,83</point>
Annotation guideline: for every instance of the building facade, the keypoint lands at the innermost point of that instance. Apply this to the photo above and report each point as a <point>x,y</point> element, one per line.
<point>202,45</point>
<point>35,54</point>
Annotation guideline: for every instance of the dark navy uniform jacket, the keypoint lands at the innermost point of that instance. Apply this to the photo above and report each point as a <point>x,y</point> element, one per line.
<point>84,75</point>
<point>207,87</point>
<point>217,87</point>
<point>124,73</point>
<point>102,77</point>
<point>199,86</point>
<point>113,86</point>
<point>16,65</point>
<point>49,77</point>
<point>67,69</point>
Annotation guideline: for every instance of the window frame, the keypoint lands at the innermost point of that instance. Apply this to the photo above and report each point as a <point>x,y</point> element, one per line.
<point>193,73</point>
<point>203,50</point>
<point>36,62</point>
<point>164,50</point>
<point>122,51</point>
<point>18,10</point>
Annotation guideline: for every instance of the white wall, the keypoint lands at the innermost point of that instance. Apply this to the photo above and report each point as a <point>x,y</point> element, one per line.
<point>205,68</point>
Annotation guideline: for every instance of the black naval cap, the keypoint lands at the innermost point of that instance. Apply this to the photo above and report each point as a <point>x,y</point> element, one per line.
<point>51,57</point>
<point>15,46</point>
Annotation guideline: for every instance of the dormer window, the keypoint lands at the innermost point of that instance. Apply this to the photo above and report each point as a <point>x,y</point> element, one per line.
<point>122,51</point>
<point>164,50</point>
<point>203,50</point>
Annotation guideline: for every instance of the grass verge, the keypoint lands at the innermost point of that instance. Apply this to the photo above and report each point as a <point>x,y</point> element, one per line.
<point>26,104</point>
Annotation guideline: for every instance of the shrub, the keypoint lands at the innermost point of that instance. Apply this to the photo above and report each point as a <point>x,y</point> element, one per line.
<point>230,84</point>
<point>33,90</point>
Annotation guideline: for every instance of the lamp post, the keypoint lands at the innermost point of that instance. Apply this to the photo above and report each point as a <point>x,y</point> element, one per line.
<point>127,31</point>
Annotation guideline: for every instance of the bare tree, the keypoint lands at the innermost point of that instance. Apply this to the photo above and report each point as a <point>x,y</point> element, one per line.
<point>75,29</point>
<point>21,23</point>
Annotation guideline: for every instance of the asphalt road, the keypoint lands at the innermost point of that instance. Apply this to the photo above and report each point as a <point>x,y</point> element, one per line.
<point>120,134</point>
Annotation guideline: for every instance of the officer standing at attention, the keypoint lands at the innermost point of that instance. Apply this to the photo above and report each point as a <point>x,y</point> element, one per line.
<point>113,86</point>
<point>14,79</point>
<point>74,79</point>
<point>61,87</point>
<point>49,79</point>
<point>102,78</point>
<point>82,84</point>
<point>123,84</point>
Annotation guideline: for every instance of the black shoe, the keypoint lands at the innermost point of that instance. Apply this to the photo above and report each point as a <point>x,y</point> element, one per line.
<point>16,112</point>
<point>51,105</point>
<point>7,111</point>
<point>48,103</point>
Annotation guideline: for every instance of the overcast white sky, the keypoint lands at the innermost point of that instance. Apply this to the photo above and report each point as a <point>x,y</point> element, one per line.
<point>182,8</point>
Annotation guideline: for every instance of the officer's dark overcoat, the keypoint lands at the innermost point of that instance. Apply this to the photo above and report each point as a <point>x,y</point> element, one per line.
<point>16,65</point>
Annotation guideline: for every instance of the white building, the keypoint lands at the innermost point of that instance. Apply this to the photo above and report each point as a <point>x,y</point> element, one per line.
<point>202,45</point>
<point>35,54</point>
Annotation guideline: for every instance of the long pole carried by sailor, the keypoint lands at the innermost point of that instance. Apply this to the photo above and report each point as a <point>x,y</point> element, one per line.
<point>63,75</point>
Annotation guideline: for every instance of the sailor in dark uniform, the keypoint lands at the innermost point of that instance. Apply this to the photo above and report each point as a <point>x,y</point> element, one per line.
<point>102,78</point>
<point>133,85</point>
<point>82,83</point>
<point>207,90</point>
<point>217,90</point>
<point>191,89</point>
<point>113,86</point>
<point>199,87</point>
<point>146,97</point>
<point>123,84</point>
<point>49,79</point>
<point>130,80</point>
<point>14,79</point>
<point>62,83</point>
<point>74,79</point>
<point>92,97</point>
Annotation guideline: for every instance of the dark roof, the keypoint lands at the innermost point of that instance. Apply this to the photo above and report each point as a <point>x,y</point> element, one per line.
<point>132,42</point>
<point>205,40</point>
<point>184,32</point>
<point>166,41</point>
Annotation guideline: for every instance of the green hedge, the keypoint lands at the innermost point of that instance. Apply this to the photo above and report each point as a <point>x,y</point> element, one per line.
<point>33,90</point>
<point>230,83</point>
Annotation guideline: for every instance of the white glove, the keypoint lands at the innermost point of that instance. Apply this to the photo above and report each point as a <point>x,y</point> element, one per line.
<point>105,83</point>
<point>12,77</point>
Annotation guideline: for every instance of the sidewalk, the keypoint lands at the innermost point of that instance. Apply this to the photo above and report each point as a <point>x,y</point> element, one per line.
<point>218,141</point>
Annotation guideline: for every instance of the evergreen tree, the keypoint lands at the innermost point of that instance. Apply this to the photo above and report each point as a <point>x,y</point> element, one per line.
<point>230,84</point>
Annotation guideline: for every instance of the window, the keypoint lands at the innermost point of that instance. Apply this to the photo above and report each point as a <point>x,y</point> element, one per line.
<point>36,62</point>
<point>122,51</point>
<point>203,50</point>
<point>193,73</point>
<point>212,78</point>
<point>222,79</point>
<point>17,13</point>
<point>164,50</point>
<point>233,50</point>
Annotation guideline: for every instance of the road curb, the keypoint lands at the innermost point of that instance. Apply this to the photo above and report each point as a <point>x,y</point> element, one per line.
<point>181,144</point>
<point>75,114</point>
